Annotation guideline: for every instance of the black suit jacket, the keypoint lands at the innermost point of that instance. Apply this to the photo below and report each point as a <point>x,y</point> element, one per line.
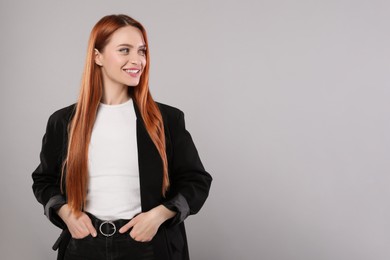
<point>189,181</point>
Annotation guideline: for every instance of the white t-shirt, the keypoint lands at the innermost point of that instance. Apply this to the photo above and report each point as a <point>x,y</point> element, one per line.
<point>114,188</point>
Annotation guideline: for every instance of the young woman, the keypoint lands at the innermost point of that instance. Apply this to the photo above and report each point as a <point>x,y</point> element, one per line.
<point>119,172</point>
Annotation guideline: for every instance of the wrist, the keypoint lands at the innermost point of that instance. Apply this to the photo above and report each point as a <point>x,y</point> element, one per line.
<point>63,212</point>
<point>164,213</point>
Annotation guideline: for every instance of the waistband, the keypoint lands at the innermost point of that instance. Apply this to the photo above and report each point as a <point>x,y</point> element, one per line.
<point>107,228</point>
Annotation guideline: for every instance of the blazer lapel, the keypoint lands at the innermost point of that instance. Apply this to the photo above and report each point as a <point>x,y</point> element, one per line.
<point>150,166</point>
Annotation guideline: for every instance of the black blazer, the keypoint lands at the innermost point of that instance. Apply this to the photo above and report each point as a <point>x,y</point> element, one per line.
<point>189,181</point>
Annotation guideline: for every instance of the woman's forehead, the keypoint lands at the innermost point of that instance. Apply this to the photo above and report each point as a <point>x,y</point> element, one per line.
<point>128,35</point>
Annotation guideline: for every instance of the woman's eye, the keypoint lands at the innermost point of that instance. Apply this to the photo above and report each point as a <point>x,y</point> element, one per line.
<point>124,50</point>
<point>142,52</point>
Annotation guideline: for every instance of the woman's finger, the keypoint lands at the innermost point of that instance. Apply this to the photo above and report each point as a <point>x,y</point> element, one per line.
<point>126,227</point>
<point>90,227</point>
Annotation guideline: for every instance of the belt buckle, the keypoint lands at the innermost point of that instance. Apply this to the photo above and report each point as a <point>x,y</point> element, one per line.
<point>109,223</point>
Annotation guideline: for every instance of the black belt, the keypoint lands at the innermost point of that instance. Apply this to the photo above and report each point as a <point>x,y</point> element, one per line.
<point>108,228</point>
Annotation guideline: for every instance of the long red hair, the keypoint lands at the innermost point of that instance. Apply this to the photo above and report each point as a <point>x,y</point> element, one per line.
<point>80,127</point>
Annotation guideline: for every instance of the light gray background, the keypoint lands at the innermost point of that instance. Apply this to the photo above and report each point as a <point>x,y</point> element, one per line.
<point>287,102</point>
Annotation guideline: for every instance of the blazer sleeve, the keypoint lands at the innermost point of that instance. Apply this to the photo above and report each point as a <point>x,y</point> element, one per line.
<point>189,181</point>
<point>47,176</point>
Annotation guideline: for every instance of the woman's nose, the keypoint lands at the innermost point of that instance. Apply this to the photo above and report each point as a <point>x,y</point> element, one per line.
<point>134,59</point>
<point>135,62</point>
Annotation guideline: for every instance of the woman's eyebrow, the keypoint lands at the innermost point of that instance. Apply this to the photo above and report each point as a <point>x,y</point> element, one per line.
<point>130,46</point>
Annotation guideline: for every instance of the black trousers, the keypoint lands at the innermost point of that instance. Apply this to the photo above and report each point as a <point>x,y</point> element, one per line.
<point>109,244</point>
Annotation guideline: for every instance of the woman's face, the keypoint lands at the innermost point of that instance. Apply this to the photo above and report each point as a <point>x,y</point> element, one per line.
<point>123,59</point>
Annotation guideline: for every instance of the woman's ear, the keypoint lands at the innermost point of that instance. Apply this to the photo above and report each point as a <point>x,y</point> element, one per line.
<point>98,57</point>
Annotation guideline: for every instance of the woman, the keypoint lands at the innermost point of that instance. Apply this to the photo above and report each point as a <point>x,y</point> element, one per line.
<point>119,172</point>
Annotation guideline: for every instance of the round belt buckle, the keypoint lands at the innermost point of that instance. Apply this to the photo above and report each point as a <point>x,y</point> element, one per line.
<point>108,223</point>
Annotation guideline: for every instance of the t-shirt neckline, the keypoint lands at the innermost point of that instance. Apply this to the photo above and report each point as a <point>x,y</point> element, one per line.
<point>116,105</point>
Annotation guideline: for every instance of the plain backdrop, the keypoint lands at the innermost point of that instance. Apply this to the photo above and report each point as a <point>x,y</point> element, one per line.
<point>287,103</point>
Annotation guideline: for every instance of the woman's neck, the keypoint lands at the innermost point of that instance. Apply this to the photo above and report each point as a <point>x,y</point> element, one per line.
<point>115,96</point>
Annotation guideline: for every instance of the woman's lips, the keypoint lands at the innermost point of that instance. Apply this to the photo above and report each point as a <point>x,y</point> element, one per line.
<point>133,72</point>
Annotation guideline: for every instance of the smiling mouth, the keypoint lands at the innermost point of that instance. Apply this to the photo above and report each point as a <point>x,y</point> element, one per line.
<point>132,71</point>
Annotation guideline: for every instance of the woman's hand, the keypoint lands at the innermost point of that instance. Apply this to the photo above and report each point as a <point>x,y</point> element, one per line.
<point>145,225</point>
<point>79,227</point>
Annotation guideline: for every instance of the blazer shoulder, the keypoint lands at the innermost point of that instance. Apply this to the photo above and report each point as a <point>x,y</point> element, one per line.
<point>170,111</point>
<point>63,114</point>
